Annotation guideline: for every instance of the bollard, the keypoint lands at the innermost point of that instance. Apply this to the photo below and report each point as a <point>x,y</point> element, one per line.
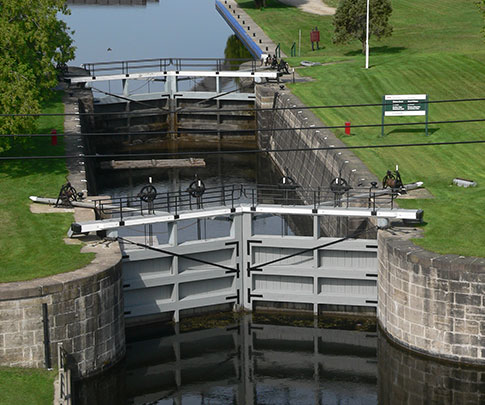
<point>347,128</point>
<point>54,137</point>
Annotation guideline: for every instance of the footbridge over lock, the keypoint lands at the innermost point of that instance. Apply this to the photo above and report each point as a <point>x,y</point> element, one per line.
<point>243,266</point>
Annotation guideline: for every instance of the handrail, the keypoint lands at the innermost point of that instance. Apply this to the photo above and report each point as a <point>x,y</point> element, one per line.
<point>164,64</point>
<point>230,195</point>
<point>277,51</point>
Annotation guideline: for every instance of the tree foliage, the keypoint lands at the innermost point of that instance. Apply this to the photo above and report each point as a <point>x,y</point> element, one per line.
<point>350,20</point>
<point>32,42</point>
<point>481,6</point>
<point>260,3</point>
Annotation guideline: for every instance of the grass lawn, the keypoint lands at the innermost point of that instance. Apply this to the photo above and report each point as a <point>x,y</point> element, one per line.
<point>32,245</point>
<point>437,49</point>
<point>20,386</point>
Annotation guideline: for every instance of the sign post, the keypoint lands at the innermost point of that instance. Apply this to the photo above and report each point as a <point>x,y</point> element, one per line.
<point>367,37</point>
<point>400,105</point>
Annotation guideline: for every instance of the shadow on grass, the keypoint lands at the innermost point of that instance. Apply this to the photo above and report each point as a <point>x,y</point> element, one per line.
<point>379,50</point>
<point>431,131</point>
<point>24,147</point>
<point>28,147</point>
<point>421,224</point>
<point>18,169</point>
<point>269,4</point>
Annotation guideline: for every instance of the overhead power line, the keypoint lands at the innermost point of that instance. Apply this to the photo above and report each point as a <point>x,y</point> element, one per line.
<point>249,131</point>
<point>234,152</point>
<point>166,111</point>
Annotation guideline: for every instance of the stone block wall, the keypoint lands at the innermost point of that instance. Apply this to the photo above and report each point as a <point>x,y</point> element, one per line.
<point>73,143</point>
<point>85,314</point>
<point>431,303</point>
<point>314,168</point>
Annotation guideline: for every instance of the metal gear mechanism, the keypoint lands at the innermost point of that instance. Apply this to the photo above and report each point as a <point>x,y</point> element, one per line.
<point>148,193</point>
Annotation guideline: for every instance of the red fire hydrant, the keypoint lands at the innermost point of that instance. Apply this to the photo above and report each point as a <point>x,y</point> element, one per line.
<point>54,137</point>
<point>347,128</point>
<point>315,38</point>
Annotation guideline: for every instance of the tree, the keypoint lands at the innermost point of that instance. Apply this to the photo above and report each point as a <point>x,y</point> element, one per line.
<point>481,6</point>
<point>32,42</point>
<point>350,20</point>
<point>260,3</point>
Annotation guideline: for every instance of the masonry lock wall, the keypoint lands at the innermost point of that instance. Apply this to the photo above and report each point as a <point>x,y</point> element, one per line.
<point>280,122</point>
<point>84,313</point>
<point>431,303</point>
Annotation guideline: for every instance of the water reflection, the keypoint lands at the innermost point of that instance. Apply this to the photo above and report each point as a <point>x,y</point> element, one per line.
<point>410,379</point>
<point>253,360</point>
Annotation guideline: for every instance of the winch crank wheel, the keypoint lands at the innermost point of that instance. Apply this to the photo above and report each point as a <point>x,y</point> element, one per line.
<point>339,186</point>
<point>196,188</point>
<point>148,193</point>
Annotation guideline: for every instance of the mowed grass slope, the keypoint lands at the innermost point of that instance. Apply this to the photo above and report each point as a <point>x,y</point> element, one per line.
<point>437,49</point>
<point>21,386</point>
<point>32,245</point>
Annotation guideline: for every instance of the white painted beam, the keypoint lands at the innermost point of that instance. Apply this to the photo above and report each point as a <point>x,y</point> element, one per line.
<point>159,217</point>
<point>177,73</point>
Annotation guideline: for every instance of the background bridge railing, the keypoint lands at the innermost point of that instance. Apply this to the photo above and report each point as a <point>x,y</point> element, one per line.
<point>166,64</point>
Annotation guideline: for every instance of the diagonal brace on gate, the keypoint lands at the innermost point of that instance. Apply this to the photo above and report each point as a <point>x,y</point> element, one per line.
<point>258,267</point>
<point>221,266</point>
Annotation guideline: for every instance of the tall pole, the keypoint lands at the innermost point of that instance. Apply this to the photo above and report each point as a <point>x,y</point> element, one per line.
<point>299,42</point>
<point>367,39</point>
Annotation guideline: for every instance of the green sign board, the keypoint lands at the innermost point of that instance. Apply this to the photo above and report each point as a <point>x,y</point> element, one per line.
<point>399,105</point>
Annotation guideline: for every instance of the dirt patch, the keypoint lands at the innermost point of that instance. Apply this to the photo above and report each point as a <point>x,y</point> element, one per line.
<point>48,209</point>
<point>419,193</point>
<point>311,6</point>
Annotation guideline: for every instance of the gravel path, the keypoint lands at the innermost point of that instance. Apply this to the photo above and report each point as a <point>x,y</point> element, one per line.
<point>311,6</point>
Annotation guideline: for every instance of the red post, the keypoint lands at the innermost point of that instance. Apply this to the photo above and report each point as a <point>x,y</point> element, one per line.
<point>54,137</point>
<point>347,128</point>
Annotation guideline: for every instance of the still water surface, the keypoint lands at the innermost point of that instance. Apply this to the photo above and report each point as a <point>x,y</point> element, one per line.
<point>168,28</point>
<point>157,29</point>
<point>276,360</point>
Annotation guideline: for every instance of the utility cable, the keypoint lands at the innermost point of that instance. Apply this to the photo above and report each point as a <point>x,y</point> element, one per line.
<point>262,109</point>
<point>235,152</point>
<point>250,131</point>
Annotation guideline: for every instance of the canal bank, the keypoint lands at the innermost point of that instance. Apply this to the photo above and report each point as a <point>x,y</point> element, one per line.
<point>80,310</point>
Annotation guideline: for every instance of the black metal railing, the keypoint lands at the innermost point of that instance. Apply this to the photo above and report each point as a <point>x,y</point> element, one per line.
<point>234,194</point>
<point>127,67</point>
